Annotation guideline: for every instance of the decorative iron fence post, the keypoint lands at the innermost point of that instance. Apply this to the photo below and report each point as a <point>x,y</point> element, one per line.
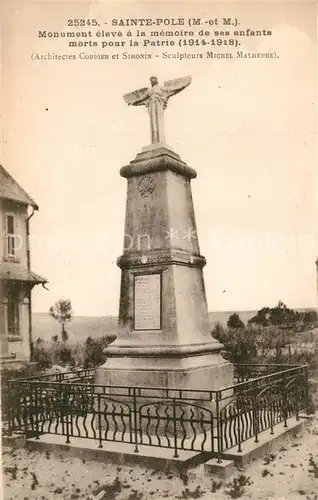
<point>136,450</point>
<point>212,431</point>
<point>17,411</point>
<point>10,422</point>
<point>219,427</point>
<point>66,412</point>
<point>31,409</point>
<point>298,396</point>
<point>36,414</point>
<point>307,391</point>
<point>271,413</point>
<point>60,408</point>
<point>99,422</point>
<point>285,404</point>
<point>67,428</point>
<point>175,429</point>
<point>11,408</point>
<point>239,448</point>
<point>255,416</point>
<point>24,415</point>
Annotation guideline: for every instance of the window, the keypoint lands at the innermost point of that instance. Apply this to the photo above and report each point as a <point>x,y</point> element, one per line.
<point>10,236</point>
<point>13,315</point>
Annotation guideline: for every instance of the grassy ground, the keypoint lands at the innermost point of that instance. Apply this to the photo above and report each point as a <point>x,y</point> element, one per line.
<point>289,473</point>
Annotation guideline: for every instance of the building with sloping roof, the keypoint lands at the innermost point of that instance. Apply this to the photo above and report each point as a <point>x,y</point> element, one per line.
<point>16,277</point>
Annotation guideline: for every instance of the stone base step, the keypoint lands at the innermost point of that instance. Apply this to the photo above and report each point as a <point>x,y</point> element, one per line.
<point>119,453</point>
<point>267,443</point>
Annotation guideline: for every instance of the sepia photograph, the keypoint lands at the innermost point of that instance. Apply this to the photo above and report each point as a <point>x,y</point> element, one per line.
<point>159,250</point>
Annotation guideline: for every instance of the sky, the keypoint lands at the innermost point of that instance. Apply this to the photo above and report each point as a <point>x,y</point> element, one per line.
<point>248,127</point>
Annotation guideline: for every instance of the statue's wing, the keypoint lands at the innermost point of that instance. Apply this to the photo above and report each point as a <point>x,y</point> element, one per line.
<point>137,97</point>
<point>174,86</point>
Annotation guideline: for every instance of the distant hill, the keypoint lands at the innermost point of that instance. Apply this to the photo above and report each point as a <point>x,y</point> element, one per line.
<point>78,329</point>
<point>82,327</point>
<point>223,316</point>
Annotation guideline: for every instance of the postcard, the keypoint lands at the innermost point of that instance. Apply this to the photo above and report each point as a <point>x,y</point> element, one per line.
<point>159,249</point>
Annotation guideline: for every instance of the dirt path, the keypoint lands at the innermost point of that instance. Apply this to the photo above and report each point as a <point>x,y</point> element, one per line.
<point>292,473</point>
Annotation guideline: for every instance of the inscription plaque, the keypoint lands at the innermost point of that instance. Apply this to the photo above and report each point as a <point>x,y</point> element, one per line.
<point>147,302</point>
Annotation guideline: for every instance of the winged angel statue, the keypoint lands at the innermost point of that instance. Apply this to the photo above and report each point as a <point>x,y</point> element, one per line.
<point>155,99</point>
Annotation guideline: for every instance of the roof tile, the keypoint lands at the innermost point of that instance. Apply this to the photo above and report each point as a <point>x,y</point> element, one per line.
<point>11,190</point>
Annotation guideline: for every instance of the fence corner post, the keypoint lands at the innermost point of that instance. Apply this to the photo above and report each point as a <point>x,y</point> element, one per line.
<point>307,403</point>
<point>255,417</point>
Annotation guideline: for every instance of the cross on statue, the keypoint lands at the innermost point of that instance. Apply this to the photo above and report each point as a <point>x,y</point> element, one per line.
<point>155,99</point>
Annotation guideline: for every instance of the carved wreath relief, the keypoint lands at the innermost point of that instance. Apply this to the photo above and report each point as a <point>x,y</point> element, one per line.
<point>146,186</point>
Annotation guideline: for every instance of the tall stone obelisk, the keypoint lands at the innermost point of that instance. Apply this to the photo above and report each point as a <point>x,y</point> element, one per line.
<point>164,338</point>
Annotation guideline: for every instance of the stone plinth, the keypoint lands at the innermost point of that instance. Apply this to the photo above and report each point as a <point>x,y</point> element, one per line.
<point>164,338</point>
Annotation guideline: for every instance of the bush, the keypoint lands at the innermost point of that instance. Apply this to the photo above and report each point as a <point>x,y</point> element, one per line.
<point>262,345</point>
<point>270,345</point>
<point>240,344</point>
<point>93,354</point>
<point>88,355</point>
<point>65,356</point>
<point>41,356</point>
<point>284,317</point>
<point>235,322</point>
<point>47,354</point>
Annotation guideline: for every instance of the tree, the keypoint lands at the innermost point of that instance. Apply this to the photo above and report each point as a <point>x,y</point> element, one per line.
<point>240,345</point>
<point>279,315</point>
<point>262,317</point>
<point>254,344</point>
<point>234,322</point>
<point>309,318</point>
<point>62,312</point>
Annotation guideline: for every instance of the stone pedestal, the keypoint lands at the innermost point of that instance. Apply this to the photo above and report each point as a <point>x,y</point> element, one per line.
<point>164,338</point>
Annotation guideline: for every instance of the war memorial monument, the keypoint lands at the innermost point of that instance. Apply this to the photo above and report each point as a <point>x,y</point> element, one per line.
<point>164,337</point>
<point>165,384</point>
